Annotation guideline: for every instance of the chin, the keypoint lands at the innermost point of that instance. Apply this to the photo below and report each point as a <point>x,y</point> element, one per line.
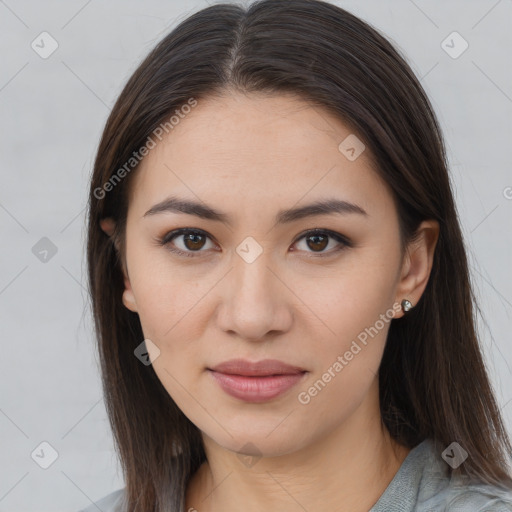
<point>264,441</point>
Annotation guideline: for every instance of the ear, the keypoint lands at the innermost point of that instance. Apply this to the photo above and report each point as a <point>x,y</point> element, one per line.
<point>108,225</point>
<point>128,296</point>
<point>417,264</point>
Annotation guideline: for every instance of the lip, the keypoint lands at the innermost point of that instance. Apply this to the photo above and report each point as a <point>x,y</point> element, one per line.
<point>258,381</point>
<point>263,368</point>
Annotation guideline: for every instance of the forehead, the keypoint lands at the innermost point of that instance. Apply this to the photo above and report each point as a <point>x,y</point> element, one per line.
<point>256,149</point>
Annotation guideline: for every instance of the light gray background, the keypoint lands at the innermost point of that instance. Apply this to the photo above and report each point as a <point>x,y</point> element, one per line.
<point>52,112</point>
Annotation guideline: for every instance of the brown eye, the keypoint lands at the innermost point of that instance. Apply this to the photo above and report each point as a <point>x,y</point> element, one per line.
<point>317,241</point>
<point>186,242</point>
<point>193,241</point>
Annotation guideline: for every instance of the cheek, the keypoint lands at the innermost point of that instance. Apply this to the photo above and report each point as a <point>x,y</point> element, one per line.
<point>166,297</point>
<point>345,364</point>
<point>351,356</point>
<point>350,299</point>
<point>171,309</point>
<point>169,313</point>
<point>356,309</point>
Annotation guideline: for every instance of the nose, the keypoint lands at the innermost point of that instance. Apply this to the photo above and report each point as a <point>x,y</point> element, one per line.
<point>255,301</point>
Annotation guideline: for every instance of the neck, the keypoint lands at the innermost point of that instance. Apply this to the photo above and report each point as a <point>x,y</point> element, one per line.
<point>346,469</point>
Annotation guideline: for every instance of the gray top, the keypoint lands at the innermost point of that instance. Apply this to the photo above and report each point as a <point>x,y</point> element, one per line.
<point>421,484</point>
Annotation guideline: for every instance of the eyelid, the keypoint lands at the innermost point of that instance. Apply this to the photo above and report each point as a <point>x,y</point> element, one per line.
<point>168,237</point>
<point>341,239</point>
<point>181,231</point>
<point>324,231</point>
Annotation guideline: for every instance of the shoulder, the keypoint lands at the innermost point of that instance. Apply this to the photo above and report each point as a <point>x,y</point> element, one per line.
<point>477,498</point>
<point>440,490</point>
<point>424,484</point>
<point>109,503</point>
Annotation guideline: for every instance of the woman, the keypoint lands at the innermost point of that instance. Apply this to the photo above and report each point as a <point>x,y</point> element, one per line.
<point>279,281</point>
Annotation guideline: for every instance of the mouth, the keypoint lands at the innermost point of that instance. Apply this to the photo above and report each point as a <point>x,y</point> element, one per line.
<point>263,368</point>
<point>256,382</point>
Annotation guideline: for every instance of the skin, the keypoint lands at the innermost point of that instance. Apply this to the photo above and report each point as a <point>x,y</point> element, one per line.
<point>250,156</point>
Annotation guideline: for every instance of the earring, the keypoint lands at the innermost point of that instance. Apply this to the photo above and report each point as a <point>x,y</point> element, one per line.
<point>406,305</point>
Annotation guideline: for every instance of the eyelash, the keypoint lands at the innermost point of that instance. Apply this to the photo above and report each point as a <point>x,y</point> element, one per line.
<point>167,238</point>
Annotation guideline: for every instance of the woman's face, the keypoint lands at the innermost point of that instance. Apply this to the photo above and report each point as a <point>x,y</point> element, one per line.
<point>251,282</point>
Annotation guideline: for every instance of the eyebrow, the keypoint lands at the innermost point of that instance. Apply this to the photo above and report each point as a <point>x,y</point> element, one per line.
<point>190,207</point>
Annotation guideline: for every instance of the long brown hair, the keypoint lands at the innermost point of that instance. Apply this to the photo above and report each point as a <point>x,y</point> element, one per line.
<point>433,382</point>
